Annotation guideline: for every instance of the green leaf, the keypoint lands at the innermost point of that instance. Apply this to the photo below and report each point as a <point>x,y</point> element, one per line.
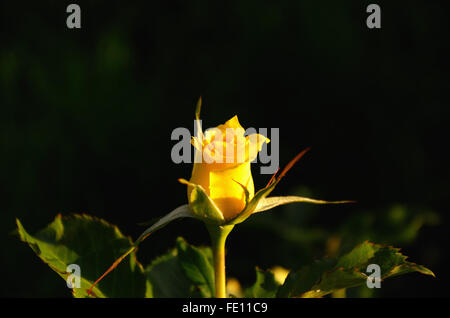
<point>197,265</point>
<point>265,286</point>
<point>185,271</point>
<point>271,202</point>
<point>299,282</point>
<point>92,244</point>
<point>167,277</point>
<point>325,276</point>
<point>180,212</point>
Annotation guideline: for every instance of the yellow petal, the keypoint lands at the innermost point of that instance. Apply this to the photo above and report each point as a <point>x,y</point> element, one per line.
<point>225,167</point>
<point>226,192</point>
<point>254,143</point>
<point>231,123</point>
<point>213,134</point>
<point>200,176</point>
<point>233,126</point>
<point>196,143</point>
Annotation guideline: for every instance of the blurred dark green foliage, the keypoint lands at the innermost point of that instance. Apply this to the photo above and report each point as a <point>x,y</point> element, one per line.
<point>86,117</point>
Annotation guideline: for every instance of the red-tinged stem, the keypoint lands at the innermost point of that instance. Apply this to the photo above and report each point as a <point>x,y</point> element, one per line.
<point>292,163</point>
<point>273,177</point>
<point>114,265</point>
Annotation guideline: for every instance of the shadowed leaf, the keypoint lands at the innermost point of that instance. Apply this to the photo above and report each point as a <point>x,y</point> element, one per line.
<point>197,266</point>
<point>265,286</point>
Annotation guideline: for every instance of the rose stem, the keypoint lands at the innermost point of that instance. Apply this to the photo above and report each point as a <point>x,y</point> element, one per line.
<point>218,237</point>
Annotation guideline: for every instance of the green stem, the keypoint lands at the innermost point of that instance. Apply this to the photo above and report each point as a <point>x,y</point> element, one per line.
<point>218,237</point>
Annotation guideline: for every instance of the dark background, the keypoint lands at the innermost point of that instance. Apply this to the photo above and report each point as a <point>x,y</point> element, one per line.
<point>86,118</point>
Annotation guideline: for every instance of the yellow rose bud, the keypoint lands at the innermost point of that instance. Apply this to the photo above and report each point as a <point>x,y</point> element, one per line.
<point>226,155</point>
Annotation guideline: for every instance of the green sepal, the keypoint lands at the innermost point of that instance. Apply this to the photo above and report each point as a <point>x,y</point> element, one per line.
<point>272,202</point>
<point>251,205</point>
<point>202,206</point>
<point>260,203</point>
<point>182,211</point>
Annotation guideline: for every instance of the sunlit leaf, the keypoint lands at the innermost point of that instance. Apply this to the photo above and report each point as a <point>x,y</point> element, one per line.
<point>325,276</point>
<point>91,243</point>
